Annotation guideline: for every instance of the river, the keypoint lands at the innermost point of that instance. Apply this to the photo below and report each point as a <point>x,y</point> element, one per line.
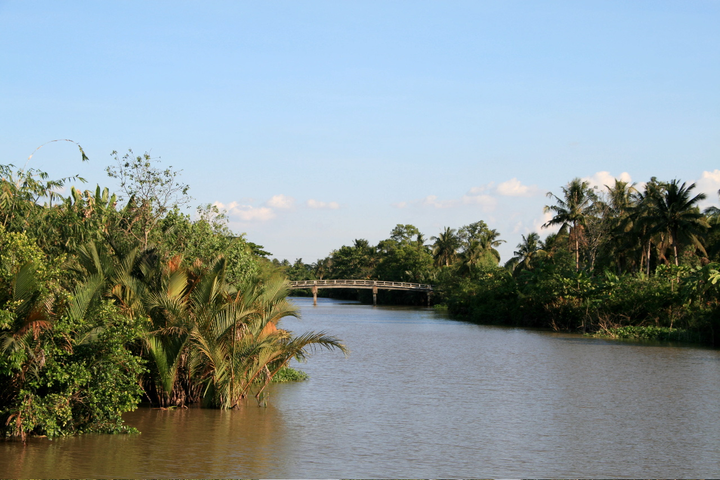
<point>423,396</point>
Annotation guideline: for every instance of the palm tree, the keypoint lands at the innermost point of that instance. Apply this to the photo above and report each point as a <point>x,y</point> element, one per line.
<point>673,210</point>
<point>235,342</point>
<point>420,242</point>
<point>489,239</point>
<point>571,213</point>
<point>445,247</point>
<point>527,250</point>
<point>614,222</point>
<point>713,212</point>
<point>213,343</point>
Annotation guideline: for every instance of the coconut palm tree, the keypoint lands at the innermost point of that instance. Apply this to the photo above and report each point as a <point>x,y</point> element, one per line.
<point>571,213</point>
<point>672,209</point>
<point>489,239</point>
<point>618,205</point>
<point>445,248</point>
<point>527,250</point>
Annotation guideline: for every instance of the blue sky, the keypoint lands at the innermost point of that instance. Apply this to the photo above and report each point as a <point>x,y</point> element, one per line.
<point>315,123</point>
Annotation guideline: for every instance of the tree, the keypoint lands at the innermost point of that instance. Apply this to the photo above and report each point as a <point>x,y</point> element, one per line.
<point>712,214</point>
<point>527,250</point>
<point>445,248</point>
<point>616,209</point>
<point>148,192</point>
<point>358,261</point>
<point>673,210</point>
<point>478,243</point>
<point>473,231</point>
<point>405,263</point>
<point>206,238</point>
<point>571,213</point>
<point>322,267</point>
<point>489,239</point>
<point>403,234</point>
<point>66,365</point>
<point>213,343</point>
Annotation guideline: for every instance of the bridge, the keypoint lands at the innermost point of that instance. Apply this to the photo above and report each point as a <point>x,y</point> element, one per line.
<point>374,285</point>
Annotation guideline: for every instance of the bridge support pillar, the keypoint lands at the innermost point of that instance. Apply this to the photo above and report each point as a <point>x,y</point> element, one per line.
<point>429,295</point>
<point>375,289</point>
<point>314,290</point>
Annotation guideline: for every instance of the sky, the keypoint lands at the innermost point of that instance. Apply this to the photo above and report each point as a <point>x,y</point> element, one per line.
<point>315,123</point>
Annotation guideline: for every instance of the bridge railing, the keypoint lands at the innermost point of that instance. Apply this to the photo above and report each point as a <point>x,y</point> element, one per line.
<point>360,284</point>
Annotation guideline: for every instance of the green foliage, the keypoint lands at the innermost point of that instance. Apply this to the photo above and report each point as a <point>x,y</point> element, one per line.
<point>22,191</point>
<point>101,304</point>
<point>148,194</point>
<point>357,261</point>
<point>300,271</point>
<point>206,239</point>
<point>405,263</point>
<point>79,376</point>
<point>289,374</point>
<point>649,333</point>
<point>487,296</point>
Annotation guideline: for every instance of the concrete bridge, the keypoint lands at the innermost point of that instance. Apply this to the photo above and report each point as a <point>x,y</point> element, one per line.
<point>373,285</point>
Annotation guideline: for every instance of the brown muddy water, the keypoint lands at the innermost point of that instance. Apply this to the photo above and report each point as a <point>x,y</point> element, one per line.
<point>422,396</point>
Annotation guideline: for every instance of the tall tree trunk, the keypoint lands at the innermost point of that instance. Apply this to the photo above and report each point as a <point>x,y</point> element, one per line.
<point>673,239</point>
<point>577,255</point>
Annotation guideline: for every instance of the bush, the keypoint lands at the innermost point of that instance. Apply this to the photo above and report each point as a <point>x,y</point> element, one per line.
<point>289,374</point>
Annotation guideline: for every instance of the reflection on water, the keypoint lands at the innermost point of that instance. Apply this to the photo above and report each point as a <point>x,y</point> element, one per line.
<point>423,396</point>
<point>193,443</point>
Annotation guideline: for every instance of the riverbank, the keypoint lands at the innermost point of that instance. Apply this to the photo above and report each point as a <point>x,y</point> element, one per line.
<point>677,304</point>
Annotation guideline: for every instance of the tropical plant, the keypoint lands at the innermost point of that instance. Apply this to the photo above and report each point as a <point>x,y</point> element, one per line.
<point>148,193</point>
<point>672,210</point>
<point>571,213</point>
<point>445,248</point>
<point>527,250</point>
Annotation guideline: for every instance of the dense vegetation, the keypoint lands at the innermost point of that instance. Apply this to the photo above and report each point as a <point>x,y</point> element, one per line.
<point>627,262</point>
<point>107,299</point>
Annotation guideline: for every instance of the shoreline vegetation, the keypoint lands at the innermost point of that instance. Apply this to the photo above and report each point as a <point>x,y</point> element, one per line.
<point>626,262</point>
<point>109,299</point>
<point>112,299</point>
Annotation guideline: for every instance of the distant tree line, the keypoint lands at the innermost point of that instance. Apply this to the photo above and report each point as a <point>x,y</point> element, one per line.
<point>625,262</point>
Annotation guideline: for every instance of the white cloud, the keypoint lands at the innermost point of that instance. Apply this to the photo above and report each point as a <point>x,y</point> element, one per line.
<point>432,201</point>
<point>247,213</point>
<point>481,189</point>
<point>473,197</point>
<point>322,205</point>
<point>539,222</point>
<point>282,202</point>
<point>487,202</point>
<point>600,179</point>
<point>513,188</point>
<point>709,183</point>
